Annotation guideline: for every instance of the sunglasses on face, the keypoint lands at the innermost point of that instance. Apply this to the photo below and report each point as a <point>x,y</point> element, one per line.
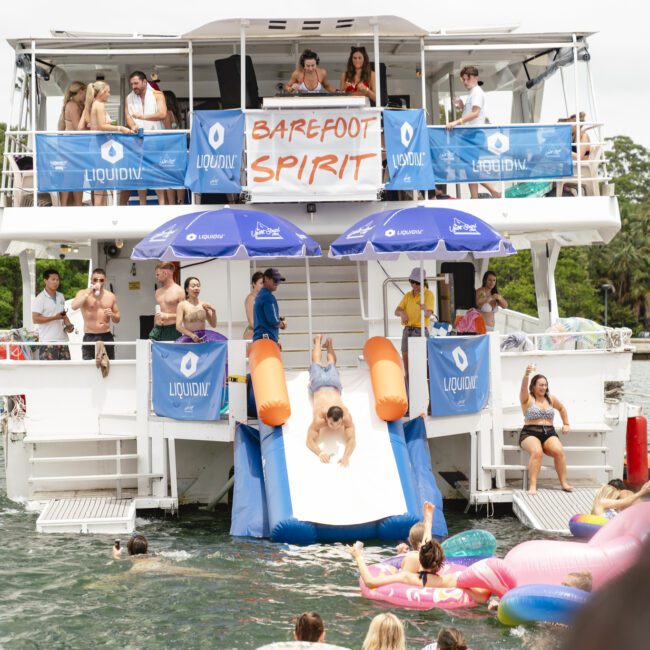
<point>100,280</point>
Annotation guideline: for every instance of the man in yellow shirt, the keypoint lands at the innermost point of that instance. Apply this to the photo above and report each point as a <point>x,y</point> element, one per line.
<point>410,309</point>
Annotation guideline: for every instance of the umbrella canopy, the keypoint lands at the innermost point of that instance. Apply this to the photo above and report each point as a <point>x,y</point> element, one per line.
<point>227,233</point>
<point>423,233</point>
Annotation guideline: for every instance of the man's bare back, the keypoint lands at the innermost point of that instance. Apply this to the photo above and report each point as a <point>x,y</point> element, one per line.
<point>331,417</point>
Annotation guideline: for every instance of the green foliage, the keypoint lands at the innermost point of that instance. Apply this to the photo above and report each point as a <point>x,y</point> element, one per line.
<point>73,274</point>
<point>629,165</point>
<point>575,291</point>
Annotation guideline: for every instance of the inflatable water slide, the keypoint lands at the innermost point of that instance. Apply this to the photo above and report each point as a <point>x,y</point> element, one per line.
<point>283,491</point>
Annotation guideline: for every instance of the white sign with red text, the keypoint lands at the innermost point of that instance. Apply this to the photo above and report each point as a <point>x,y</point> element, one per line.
<point>313,155</point>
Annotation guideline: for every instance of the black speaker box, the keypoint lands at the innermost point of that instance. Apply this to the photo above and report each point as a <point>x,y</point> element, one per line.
<point>229,77</point>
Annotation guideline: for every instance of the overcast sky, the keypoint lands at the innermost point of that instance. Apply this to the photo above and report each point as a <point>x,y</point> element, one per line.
<point>620,51</point>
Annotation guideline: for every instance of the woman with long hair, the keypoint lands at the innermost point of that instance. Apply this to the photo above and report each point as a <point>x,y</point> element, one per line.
<point>257,282</point>
<point>95,118</point>
<point>488,299</point>
<point>73,105</point>
<point>386,632</point>
<point>358,76</point>
<point>173,120</point>
<point>309,77</point>
<point>611,499</point>
<point>538,435</point>
<point>192,315</point>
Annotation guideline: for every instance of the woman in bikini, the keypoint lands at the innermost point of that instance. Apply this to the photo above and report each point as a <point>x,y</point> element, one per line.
<point>95,118</point>
<point>538,436</point>
<point>489,300</point>
<point>192,315</point>
<point>431,559</point>
<point>358,76</point>
<point>308,78</point>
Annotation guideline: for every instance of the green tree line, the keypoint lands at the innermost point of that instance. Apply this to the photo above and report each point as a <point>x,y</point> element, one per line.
<point>624,263</point>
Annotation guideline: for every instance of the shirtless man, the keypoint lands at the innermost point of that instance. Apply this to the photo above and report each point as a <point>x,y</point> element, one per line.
<point>98,308</point>
<point>167,298</point>
<point>329,413</point>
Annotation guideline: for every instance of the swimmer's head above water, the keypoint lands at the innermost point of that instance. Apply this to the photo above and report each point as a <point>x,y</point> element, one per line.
<point>137,545</point>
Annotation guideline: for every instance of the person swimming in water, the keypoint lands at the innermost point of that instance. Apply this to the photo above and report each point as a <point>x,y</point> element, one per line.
<point>431,559</point>
<point>142,561</point>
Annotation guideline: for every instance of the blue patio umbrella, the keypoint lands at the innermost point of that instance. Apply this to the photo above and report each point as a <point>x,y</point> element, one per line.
<point>232,234</point>
<point>422,233</point>
<point>227,233</point>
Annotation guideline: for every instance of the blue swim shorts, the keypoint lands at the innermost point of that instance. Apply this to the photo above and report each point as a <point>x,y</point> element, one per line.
<point>324,377</point>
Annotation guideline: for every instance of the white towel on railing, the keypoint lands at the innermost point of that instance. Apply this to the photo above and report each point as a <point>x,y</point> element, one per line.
<point>136,107</point>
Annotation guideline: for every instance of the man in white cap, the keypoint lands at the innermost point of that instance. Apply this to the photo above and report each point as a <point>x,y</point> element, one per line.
<point>267,321</point>
<point>410,311</point>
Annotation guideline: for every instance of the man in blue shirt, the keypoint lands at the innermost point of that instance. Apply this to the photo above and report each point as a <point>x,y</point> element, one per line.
<point>266,317</point>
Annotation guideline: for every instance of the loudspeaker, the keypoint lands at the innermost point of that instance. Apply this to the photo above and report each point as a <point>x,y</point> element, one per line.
<point>463,272</point>
<point>229,77</point>
<point>383,98</point>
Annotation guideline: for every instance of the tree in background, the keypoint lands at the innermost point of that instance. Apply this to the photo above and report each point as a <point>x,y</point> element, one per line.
<point>73,274</point>
<point>625,261</point>
<point>575,291</point>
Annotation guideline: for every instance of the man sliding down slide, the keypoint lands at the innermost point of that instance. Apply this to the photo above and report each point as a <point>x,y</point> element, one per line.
<point>330,416</point>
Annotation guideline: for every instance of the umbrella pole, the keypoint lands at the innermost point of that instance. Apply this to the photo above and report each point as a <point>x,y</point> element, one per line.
<point>229,301</point>
<point>421,297</point>
<point>308,301</point>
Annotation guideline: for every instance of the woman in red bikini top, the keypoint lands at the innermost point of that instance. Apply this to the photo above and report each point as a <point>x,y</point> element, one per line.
<point>358,76</point>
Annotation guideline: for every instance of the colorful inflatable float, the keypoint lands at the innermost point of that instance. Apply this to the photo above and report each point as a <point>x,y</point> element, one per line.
<point>608,553</point>
<point>549,603</point>
<point>490,574</point>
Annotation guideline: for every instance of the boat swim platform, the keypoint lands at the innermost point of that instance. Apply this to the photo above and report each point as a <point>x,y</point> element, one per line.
<point>98,515</point>
<point>551,509</point>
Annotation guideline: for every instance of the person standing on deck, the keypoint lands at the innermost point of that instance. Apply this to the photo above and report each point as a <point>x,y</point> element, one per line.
<point>267,321</point>
<point>473,115</point>
<point>167,298</point>
<point>146,109</point>
<point>49,313</point>
<point>98,308</point>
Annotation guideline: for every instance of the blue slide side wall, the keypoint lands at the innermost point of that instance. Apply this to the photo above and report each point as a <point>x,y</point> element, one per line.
<point>415,434</point>
<point>249,516</point>
<point>397,526</point>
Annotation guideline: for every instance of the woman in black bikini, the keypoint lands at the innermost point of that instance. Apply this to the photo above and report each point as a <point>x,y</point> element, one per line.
<point>431,556</point>
<point>538,436</point>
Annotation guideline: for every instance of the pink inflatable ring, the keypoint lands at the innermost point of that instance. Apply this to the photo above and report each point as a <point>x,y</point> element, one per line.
<point>409,597</point>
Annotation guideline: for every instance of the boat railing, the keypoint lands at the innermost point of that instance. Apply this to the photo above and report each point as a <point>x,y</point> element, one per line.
<point>20,174</point>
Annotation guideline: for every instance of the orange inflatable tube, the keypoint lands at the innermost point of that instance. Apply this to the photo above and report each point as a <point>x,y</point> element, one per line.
<point>269,384</point>
<point>387,378</point>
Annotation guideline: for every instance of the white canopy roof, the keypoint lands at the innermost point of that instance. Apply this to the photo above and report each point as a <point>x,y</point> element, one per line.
<point>358,26</point>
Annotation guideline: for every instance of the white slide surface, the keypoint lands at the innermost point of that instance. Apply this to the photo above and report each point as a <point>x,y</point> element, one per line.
<point>326,493</point>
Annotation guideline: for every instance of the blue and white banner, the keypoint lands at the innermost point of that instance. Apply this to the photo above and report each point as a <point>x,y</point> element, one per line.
<point>491,153</point>
<point>407,150</point>
<point>115,161</point>
<point>216,149</point>
<point>459,371</point>
<point>188,379</point>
